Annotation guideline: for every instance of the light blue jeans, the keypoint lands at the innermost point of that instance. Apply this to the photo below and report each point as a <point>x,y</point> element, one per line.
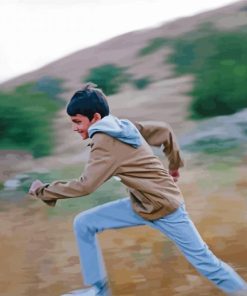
<point>177,226</point>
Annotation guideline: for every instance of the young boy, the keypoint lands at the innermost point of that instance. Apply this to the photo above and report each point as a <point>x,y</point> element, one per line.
<point>120,148</point>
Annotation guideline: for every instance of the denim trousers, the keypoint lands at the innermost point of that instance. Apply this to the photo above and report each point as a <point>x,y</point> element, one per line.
<point>177,226</point>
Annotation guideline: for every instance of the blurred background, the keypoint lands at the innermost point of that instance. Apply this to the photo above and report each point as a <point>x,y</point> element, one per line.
<point>185,64</point>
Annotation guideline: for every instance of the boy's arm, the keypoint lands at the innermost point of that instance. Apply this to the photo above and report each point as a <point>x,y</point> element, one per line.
<point>101,166</point>
<point>161,133</point>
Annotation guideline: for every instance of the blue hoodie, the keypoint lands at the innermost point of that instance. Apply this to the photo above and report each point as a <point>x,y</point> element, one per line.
<point>121,129</point>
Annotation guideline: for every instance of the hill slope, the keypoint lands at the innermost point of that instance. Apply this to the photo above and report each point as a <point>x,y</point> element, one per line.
<point>164,99</point>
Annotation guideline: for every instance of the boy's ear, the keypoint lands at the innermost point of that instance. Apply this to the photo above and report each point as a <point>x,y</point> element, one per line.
<point>96,117</point>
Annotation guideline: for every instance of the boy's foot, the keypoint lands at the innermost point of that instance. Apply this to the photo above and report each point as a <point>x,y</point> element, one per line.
<point>83,292</point>
<point>100,289</point>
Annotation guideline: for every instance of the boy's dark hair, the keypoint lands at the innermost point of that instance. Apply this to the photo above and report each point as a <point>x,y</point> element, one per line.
<point>88,101</point>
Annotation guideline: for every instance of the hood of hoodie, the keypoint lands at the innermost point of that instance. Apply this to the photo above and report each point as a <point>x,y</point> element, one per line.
<point>121,129</point>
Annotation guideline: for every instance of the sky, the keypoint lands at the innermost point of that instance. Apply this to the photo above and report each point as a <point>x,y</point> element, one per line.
<point>36,32</point>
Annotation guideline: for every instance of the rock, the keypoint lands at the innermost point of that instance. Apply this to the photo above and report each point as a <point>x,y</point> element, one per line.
<point>12,184</point>
<point>217,133</point>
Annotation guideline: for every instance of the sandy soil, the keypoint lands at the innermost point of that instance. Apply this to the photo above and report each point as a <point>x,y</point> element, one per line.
<point>39,255</point>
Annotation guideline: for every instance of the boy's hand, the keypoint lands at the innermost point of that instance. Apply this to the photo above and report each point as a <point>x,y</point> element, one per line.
<point>175,174</point>
<point>35,185</point>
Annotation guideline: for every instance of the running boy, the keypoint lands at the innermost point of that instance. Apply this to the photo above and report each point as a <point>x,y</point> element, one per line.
<point>120,148</point>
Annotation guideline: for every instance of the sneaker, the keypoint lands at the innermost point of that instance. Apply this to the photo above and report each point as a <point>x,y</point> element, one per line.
<point>83,292</point>
<point>99,289</point>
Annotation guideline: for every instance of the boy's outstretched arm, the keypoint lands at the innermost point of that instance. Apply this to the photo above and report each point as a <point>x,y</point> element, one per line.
<point>158,134</point>
<point>101,167</point>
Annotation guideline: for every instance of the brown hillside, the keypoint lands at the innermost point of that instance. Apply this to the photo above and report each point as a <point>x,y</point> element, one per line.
<point>164,99</point>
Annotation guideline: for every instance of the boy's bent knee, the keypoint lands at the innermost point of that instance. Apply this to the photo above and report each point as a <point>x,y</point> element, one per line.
<point>81,222</point>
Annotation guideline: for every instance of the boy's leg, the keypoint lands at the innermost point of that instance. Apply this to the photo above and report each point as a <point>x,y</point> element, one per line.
<point>116,214</point>
<point>180,229</point>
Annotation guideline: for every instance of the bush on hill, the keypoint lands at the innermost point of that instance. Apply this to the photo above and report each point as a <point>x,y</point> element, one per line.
<point>108,77</point>
<point>154,45</point>
<point>219,62</point>
<point>26,116</point>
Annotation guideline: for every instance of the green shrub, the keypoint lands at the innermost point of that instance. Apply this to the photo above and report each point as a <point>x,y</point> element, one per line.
<point>191,51</point>
<point>141,83</point>
<point>191,55</point>
<point>26,118</point>
<point>108,77</point>
<point>49,85</point>
<point>219,62</point>
<point>154,45</point>
<point>220,91</point>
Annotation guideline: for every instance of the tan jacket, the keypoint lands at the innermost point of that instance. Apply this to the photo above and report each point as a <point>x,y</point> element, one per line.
<point>152,190</point>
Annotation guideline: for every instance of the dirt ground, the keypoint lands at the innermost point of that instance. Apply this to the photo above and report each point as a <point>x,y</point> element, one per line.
<point>39,255</point>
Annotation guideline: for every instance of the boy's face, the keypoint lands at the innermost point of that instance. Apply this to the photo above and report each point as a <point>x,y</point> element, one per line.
<point>81,124</point>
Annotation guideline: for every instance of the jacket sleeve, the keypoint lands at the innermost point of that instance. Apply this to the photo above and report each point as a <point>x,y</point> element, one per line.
<point>101,167</point>
<point>158,134</point>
